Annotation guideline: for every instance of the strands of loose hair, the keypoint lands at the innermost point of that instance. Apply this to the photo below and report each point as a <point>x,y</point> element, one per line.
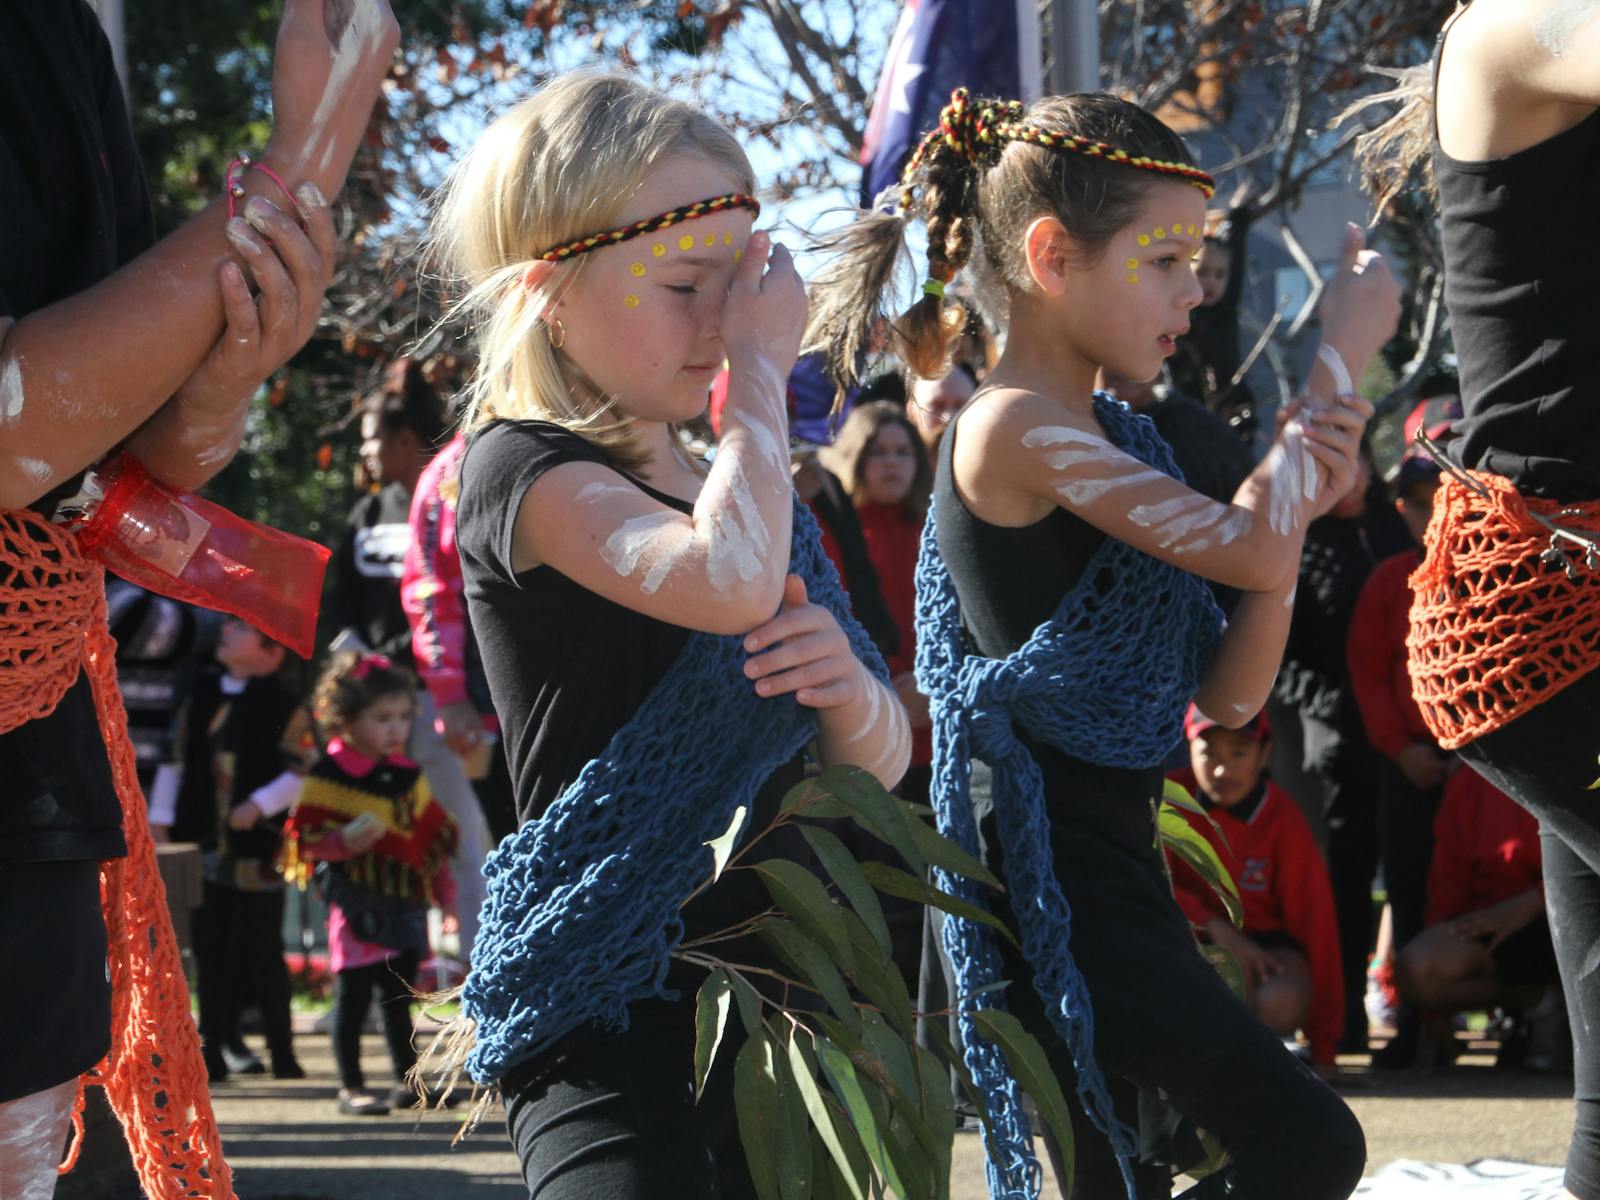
<point>1390,153</point>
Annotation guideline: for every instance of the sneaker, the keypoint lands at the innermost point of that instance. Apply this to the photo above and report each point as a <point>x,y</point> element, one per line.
<point>361,1104</point>
<point>241,1061</point>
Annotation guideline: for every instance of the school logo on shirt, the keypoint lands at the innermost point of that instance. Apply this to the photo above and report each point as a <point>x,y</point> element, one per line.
<point>380,550</point>
<point>1253,876</point>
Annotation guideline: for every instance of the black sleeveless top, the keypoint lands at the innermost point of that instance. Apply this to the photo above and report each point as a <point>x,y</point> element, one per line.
<point>1519,283</point>
<point>1009,581</point>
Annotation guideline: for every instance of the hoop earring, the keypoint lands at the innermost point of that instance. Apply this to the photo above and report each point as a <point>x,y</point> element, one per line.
<point>557,332</point>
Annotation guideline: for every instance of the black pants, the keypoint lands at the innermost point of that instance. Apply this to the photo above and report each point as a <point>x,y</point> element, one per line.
<point>613,1114</point>
<point>1405,844</point>
<point>352,997</point>
<point>1344,765</point>
<point>238,953</point>
<point>1166,1026</point>
<point>1545,760</point>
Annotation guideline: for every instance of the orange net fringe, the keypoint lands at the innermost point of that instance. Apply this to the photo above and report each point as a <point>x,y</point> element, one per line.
<point>52,625</point>
<point>1499,623</point>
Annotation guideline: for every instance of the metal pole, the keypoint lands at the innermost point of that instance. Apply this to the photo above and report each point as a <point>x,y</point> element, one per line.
<point>111,21</point>
<point>1074,46</point>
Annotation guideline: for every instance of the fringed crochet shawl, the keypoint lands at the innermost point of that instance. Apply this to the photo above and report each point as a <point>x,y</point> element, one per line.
<point>1107,680</point>
<point>582,906</point>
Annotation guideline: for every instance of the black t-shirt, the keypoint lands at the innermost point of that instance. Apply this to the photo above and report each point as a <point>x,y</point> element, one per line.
<point>1524,308</point>
<point>366,572</point>
<point>73,208</point>
<point>567,668</point>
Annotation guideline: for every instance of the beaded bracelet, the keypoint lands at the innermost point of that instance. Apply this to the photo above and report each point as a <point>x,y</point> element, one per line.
<point>235,189</point>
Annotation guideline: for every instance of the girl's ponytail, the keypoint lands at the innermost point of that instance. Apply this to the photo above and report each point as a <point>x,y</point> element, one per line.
<point>941,187</point>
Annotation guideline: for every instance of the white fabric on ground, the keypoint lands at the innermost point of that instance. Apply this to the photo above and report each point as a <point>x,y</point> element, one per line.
<point>1486,1179</point>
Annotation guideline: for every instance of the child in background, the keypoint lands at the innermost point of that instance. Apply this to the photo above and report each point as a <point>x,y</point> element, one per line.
<point>1289,946</point>
<point>1411,767</point>
<point>1487,940</point>
<point>231,741</point>
<point>382,846</point>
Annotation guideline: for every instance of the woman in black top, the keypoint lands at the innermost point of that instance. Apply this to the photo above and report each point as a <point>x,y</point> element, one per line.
<point>110,339</point>
<point>1516,155</point>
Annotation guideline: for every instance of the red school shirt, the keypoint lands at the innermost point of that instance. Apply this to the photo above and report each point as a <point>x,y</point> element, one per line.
<point>1283,885</point>
<point>1485,848</point>
<point>1375,652</point>
<point>893,540</point>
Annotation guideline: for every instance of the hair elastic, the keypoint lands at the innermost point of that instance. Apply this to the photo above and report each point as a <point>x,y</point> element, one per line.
<point>369,663</point>
<point>689,212</point>
<point>934,287</point>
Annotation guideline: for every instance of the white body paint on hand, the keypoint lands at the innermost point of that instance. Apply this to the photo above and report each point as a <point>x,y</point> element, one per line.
<point>1554,30</point>
<point>36,469</point>
<point>11,397</point>
<point>1288,457</point>
<point>359,37</point>
<point>646,541</point>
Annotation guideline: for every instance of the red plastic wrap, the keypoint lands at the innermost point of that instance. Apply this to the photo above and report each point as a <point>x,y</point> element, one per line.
<point>192,550</point>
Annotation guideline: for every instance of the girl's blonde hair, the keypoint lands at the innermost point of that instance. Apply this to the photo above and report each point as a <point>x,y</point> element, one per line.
<point>847,457</point>
<point>559,166</point>
<point>979,200</point>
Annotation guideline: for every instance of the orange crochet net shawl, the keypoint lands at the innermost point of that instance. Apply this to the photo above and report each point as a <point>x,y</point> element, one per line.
<point>1502,616</point>
<point>52,624</point>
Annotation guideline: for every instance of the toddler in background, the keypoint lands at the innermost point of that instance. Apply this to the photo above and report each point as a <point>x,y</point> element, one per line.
<point>380,844</point>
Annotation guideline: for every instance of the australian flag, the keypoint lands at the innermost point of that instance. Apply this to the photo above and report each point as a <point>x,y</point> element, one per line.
<point>990,47</point>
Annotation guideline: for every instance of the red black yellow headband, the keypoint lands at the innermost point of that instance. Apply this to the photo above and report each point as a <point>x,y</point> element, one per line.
<point>700,208</point>
<point>979,131</point>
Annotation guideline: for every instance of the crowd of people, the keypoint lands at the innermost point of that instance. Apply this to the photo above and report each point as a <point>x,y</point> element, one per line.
<point>1022,571</point>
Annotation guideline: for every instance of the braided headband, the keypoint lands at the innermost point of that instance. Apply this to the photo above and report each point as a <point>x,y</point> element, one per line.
<point>977,132</point>
<point>700,208</point>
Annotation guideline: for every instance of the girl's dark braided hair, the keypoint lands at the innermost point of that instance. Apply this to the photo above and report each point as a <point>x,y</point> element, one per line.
<point>989,170</point>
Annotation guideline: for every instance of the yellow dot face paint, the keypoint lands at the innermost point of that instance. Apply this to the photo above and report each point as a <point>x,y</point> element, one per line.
<point>1144,239</point>
<point>686,242</point>
<point>658,249</point>
<point>711,239</point>
<point>637,269</point>
<point>631,300</point>
<point>1133,279</point>
<point>737,255</point>
<point>1161,233</point>
<point>1133,264</point>
<point>727,239</point>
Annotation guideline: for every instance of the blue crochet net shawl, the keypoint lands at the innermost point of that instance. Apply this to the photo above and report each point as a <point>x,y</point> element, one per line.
<point>581,911</point>
<point>1107,680</point>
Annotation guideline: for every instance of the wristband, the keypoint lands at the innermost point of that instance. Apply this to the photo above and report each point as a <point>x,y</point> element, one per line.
<point>235,189</point>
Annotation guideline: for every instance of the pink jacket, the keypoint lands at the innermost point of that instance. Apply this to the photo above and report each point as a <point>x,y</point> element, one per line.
<point>431,587</point>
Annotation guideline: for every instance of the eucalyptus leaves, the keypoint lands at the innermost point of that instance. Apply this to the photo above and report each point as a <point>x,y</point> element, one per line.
<point>835,1097</point>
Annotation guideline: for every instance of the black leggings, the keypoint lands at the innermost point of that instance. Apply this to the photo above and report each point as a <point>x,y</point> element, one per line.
<point>614,1115</point>
<point>353,995</point>
<point>1165,1023</point>
<point>1545,760</point>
